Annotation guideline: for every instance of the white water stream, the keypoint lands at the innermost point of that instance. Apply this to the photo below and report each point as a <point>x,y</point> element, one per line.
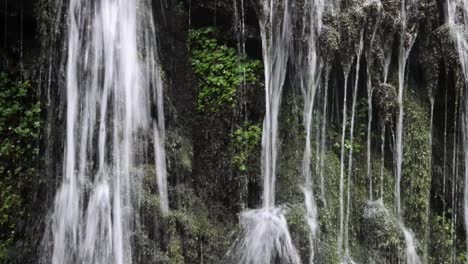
<point>114,99</point>
<point>407,39</point>
<point>457,27</point>
<point>265,237</point>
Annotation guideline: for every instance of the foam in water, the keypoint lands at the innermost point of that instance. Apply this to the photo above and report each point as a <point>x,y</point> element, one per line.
<point>264,239</point>
<point>112,88</point>
<point>411,251</point>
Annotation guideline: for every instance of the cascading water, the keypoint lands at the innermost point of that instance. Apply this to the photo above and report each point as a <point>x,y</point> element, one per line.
<point>387,60</point>
<point>347,252</point>
<point>309,69</point>
<point>324,137</point>
<point>370,90</point>
<point>343,235</point>
<point>114,100</point>
<point>265,236</point>
<point>456,28</point>
<point>342,164</point>
<point>275,49</point>
<point>326,193</point>
<point>407,39</point>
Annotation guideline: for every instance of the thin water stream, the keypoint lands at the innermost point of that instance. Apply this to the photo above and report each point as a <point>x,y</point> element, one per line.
<point>407,40</point>
<point>264,236</point>
<point>458,35</point>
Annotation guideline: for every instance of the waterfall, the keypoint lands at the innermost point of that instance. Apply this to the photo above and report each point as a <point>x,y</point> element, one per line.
<point>324,136</point>
<point>114,99</point>
<point>264,234</point>
<point>275,51</point>
<point>309,70</point>
<point>407,40</point>
<point>387,60</point>
<point>370,90</point>
<point>342,171</point>
<point>454,177</point>
<point>382,159</point>
<point>342,151</point>
<point>462,47</point>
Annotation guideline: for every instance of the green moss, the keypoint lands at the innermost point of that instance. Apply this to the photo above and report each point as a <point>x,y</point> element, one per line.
<point>290,153</point>
<point>329,212</point>
<point>383,237</point>
<point>329,43</point>
<point>175,251</point>
<point>299,229</point>
<point>386,97</point>
<point>202,239</point>
<point>350,29</point>
<point>416,171</point>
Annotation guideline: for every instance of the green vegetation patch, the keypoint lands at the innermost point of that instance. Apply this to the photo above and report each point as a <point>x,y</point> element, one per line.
<point>19,133</point>
<point>220,71</point>
<point>246,141</point>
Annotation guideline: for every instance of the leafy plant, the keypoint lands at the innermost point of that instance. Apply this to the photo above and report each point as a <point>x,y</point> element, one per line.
<point>245,141</point>
<point>441,239</point>
<point>219,70</point>
<point>19,134</point>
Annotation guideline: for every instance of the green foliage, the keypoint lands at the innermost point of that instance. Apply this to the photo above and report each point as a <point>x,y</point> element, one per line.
<point>219,70</point>
<point>174,251</point>
<point>441,240</point>
<point>19,133</point>
<point>245,142</point>
<point>461,257</point>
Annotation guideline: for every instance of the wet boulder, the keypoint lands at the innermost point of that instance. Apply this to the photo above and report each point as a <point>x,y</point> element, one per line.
<point>382,235</point>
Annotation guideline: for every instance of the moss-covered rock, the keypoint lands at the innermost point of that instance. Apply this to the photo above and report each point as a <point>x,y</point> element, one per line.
<point>416,170</point>
<point>299,229</point>
<point>351,27</point>
<point>386,97</point>
<point>382,235</point>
